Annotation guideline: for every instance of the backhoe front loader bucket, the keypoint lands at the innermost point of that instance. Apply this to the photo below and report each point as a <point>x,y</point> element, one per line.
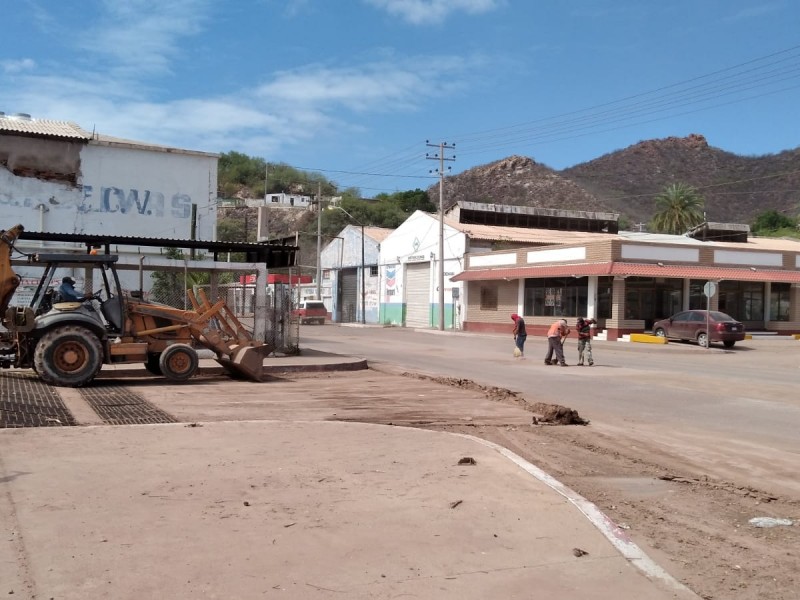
<point>246,361</point>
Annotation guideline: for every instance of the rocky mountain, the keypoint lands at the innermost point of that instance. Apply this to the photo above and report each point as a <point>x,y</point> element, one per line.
<point>736,188</point>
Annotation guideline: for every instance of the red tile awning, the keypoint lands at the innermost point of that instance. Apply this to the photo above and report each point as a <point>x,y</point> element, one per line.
<point>635,270</point>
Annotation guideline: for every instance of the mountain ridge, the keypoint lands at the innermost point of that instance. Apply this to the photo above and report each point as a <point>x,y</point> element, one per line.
<point>736,188</point>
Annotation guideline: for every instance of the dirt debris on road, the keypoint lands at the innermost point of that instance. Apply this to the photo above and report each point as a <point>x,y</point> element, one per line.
<point>695,525</point>
<point>552,414</point>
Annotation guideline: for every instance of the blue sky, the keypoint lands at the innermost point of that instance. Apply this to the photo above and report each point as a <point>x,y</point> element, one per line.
<point>354,88</point>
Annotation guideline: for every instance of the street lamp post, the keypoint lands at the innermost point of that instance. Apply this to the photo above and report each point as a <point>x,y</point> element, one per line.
<point>363,277</point>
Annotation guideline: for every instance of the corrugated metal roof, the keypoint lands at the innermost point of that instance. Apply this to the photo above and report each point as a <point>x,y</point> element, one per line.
<point>43,128</point>
<point>525,235</point>
<point>108,140</point>
<point>632,269</point>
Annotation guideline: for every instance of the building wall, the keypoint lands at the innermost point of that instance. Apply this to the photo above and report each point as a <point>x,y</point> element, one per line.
<point>683,252</point>
<point>344,252</point>
<point>493,319</point>
<point>116,190</point>
<point>417,240</point>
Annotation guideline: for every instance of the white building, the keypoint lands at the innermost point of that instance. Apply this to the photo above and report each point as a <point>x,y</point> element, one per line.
<point>409,273</point>
<point>56,177</point>
<point>281,200</point>
<point>351,279</point>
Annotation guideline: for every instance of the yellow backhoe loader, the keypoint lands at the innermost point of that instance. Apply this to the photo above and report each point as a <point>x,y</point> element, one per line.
<point>67,343</point>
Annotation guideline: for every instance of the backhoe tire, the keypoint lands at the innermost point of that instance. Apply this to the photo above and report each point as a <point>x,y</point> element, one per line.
<point>152,364</point>
<point>68,356</point>
<point>178,362</point>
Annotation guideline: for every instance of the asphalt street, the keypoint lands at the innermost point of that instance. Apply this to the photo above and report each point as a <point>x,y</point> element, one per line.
<point>733,412</point>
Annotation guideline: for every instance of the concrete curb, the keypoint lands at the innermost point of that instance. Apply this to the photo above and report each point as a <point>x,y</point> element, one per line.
<point>615,535</point>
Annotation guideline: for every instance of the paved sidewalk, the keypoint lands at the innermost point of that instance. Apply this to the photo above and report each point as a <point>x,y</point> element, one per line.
<point>241,509</point>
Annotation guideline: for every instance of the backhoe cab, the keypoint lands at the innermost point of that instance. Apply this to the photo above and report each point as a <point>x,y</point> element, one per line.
<point>67,343</point>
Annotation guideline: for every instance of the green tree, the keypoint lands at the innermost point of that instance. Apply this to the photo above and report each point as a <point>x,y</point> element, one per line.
<point>678,208</point>
<point>771,221</point>
<point>168,286</point>
<point>409,201</point>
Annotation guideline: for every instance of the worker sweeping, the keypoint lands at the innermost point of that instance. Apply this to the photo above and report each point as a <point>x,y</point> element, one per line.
<point>520,335</point>
<point>556,335</point>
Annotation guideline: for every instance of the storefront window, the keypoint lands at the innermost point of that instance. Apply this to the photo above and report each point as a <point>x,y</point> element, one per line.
<point>605,287</point>
<point>556,296</point>
<point>743,300</point>
<point>652,298</point>
<point>697,299</point>
<point>779,301</point>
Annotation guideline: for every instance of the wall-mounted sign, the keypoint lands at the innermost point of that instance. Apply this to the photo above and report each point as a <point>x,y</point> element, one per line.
<point>416,258</point>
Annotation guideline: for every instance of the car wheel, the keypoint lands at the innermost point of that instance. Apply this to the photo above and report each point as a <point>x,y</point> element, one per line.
<point>702,339</point>
<point>729,343</point>
<point>660,332</point>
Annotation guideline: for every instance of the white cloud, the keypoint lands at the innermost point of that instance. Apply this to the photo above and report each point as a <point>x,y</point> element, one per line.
<point>143,35</point>
<point>17,66</point>
<point>426,12</point>
<point>130,40</point>
<point>376,87</point>
<point>754,12</point>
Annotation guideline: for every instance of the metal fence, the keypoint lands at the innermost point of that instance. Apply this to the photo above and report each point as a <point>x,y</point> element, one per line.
<point>169,282</point>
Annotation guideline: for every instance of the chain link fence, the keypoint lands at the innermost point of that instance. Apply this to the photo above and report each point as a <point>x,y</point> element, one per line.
<point>170,285</point>
<point>272,311</point>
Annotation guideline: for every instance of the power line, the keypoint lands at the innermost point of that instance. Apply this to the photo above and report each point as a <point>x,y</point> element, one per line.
<point>700,93</point>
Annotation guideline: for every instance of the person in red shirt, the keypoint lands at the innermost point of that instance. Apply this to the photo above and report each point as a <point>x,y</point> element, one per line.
<point>520,334</point>
<point>555,343</point>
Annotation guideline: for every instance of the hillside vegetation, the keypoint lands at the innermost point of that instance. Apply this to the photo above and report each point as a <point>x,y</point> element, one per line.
<point>734,189</point>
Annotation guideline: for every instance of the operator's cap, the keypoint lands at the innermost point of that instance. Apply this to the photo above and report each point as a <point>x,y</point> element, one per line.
<point>68,279</point>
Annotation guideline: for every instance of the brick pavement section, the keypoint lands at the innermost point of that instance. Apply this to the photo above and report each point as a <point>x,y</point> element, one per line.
<point>118,405</point>
<point>25,401</point>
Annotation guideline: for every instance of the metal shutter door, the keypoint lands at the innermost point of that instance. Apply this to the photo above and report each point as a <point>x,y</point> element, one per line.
<point>418,291</point>
<point>349,305</point>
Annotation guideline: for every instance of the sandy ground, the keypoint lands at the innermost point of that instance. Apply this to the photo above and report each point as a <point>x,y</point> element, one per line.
<point>694,524</point>
<point>684,487</point>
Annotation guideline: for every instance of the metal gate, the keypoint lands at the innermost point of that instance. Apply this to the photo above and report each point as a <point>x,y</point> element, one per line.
<point>418,295</point>
<point>348,296</point>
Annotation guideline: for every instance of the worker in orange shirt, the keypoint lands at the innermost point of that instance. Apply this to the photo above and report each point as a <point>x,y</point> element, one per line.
<point>555,343</point>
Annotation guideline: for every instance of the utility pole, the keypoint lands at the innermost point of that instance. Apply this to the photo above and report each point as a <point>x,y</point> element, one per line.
<point>266,200</point>
<point>319,240</point>
<point>442,146</point>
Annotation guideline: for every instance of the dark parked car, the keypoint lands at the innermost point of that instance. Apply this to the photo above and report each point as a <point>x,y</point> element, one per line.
<point>691,325</point>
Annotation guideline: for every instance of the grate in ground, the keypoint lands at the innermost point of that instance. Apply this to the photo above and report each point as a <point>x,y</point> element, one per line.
<point>118,405</point>
<point>26,401</point>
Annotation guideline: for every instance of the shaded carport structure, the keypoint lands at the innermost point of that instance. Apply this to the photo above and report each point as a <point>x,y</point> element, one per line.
<point>26,401</point>
<point>259,257</point>
<point>273,255</point>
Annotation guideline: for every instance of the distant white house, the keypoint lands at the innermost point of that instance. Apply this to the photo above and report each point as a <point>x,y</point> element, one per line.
<point>281,200</point>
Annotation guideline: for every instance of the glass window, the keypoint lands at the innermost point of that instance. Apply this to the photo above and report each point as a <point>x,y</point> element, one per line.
<point>697,299</point>
<point>779,301</point>
<point>556,296</point>
<point>605,286</point>
<point>373,271</point>
<point>743,300</point>
<point>488,297</point>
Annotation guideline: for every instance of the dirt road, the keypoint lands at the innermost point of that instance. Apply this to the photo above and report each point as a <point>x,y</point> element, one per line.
<point>684,470</point>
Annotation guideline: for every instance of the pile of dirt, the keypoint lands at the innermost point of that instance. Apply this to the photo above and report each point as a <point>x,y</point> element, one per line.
<point>550,414</point>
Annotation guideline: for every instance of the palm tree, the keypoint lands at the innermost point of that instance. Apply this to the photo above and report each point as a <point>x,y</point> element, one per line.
<point>679,208</point>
